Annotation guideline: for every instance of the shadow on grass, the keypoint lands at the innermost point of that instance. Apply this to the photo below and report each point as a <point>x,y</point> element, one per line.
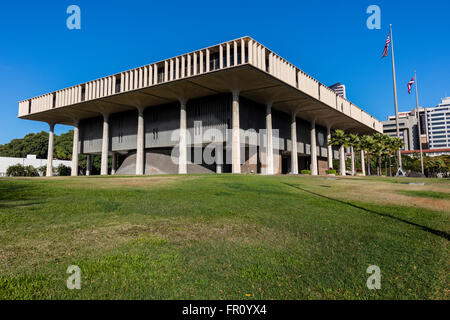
<point>16,195</point>
<point>424,228</point>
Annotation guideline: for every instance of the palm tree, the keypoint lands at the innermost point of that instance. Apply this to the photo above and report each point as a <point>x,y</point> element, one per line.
<point>353,142</point>
<point>366,143</point>
<point>394,145</point>
<point>338,139</point>
<point>379,148</point>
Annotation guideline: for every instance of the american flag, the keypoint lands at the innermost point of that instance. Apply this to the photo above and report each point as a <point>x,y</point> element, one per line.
<point>410,83</point>
<point>386,47</point>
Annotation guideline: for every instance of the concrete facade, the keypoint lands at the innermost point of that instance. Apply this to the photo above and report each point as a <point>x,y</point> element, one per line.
<point>236,87</point>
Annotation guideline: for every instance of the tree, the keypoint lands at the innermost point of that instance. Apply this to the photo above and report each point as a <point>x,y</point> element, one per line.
<point>37,144</point>
<point>63,170</point>
<point>32,143</point>
<point>366,143</point>
<point>353,142</point>
<point>393,144</point>
<point>379,148</point>
<point>339,139</point>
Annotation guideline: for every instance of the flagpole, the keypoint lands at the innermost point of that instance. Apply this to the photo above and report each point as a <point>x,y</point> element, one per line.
<point>395,97</point>
<point>418,122</point>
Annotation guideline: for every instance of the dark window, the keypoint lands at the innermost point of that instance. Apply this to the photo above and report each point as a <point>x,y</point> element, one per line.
<point>118,84</point>
<point>160,74</point>
<point>83,93</point>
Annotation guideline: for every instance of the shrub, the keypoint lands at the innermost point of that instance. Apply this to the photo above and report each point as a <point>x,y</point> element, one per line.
<point>330,171</point>
<point>19,170</point>
<point>63,170</point>
<point>305,172</point>
<point>42,170</point>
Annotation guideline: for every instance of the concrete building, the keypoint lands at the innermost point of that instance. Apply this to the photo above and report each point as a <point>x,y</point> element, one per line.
<point>408,129</point>
<point>339,89</point>
<point>148,115</point>
<point>438,125</point>
<point>30,160</point>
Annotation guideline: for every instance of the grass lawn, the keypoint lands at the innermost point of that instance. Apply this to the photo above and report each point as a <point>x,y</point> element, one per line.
<point>224,237</point>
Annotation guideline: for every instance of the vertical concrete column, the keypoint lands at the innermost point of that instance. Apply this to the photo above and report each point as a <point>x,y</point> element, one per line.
<point>220,56</point>
<point>269,151</point>
<point>342,160</point>
<point>219,157</point>
<point>113,163</point>
<point>235,53</point>
<point>201,62</point>
<point>236,140</point>
<point>250,51</point>
<point>183,66</point>
<point>88,164</point>
<point>228,55</point>
<point>140,143</point>
<point>294,156</point>
<point>166,71</point>
<point>363,167</point>
<point>105,145</point>
<point>189,58</point>
<point>51,135</point>
<point>195,63</point>
<point>75,149</point>
<point>171,70</point>
<point>182,160</point>
<point>352,150</point>
<point>207,60</point>
<point>155,74</point>
<point>329,149</point>
<point>242,51</point>
<point>313,148</point>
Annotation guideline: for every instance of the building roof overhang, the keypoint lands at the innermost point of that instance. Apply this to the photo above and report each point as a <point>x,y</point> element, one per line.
<point>252,83</point>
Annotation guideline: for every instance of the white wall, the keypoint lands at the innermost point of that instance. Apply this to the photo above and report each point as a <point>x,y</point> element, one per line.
<point>5,162</point>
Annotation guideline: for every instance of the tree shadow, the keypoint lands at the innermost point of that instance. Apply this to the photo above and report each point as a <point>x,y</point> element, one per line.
<point>439,233</point>
<point>16,195</point>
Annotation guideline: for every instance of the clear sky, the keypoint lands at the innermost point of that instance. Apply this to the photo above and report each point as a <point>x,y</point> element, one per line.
<point>327,39</point>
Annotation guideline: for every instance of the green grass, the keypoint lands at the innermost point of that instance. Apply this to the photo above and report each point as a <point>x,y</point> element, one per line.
<point>216,237</point>
<point>425,194</point>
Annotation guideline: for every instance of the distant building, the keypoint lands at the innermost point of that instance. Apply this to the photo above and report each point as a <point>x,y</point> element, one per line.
<point>429,152</point>
<point>30,160</point>
<point>438,125</point>
<point>339,89</point>
<point>434,125</point>
<point>408,129</point>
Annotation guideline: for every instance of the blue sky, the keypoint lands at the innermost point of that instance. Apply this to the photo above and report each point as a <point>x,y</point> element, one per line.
<point>327,39</point>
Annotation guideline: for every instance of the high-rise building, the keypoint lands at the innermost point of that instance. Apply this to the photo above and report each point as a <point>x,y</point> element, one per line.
<point>434,125</point>
<point>438,125</point>
<point>408,128</point>
<point>339,89</point>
